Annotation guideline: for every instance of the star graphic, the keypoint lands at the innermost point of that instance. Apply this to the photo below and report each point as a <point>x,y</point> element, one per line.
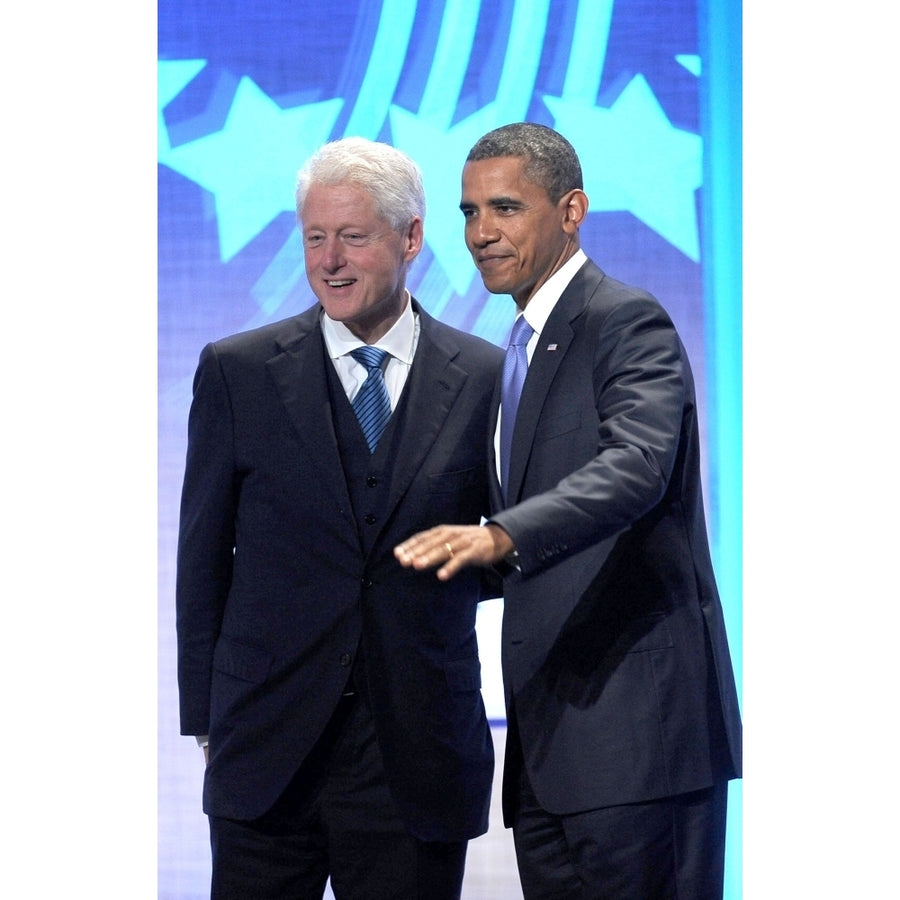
<point>441,153</point>
<point>634,159</point>
<point>692,62</point>
<point>171,79</point>
<point>250,165</point>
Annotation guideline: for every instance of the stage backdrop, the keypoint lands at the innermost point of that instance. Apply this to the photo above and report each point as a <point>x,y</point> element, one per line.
<point>648,93</point>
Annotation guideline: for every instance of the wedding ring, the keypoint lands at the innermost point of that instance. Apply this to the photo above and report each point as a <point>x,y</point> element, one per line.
<point>449,550</point>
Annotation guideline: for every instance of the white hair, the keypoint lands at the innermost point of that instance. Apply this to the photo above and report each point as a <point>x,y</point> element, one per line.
<point>390,176</point>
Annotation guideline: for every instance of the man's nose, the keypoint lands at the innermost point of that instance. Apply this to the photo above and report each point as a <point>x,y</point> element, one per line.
<point>332,254</point>
<point>484,231</point>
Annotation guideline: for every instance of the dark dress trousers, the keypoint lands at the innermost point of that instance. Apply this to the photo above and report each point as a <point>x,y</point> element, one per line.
<point>282,589</point>
<point>615,660</point>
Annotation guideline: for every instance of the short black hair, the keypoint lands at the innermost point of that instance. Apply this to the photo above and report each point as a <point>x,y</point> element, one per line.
<point>550,160</point>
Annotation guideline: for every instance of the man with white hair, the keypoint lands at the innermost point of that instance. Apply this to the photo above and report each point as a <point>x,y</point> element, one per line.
<point>337,692</point>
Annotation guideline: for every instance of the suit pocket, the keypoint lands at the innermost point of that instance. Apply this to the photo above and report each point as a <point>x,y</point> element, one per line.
<point>557,426</point>
<point>463,674</point>
<point>456,481</point>
<point>647,633</point>
<point>240,661</point>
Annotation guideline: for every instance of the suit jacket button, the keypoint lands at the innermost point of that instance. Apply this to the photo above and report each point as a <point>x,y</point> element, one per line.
<point>371,480</point>
<point>346,659</point>
<point>370,519</point>
<point>367,582</point>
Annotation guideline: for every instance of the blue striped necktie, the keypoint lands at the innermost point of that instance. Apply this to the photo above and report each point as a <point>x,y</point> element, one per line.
<point>372,404</point>
<point>515,368</point>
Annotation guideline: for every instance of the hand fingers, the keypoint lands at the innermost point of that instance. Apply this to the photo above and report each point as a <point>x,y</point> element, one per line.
<point>430,548</point>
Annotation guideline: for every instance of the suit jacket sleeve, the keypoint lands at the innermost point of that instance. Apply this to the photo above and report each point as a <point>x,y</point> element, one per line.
<point>638,403</point>
<point>206,540</point>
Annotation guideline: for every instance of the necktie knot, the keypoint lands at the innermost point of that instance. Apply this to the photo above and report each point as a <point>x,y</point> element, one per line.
<point>370,357</point>
<point>521,332</point>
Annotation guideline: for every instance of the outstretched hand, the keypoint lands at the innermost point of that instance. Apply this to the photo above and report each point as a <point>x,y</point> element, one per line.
<point>453,547</point>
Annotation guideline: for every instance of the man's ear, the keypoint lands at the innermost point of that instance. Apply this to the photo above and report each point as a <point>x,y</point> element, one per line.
<point>575,207</point>
<point>415,235</point>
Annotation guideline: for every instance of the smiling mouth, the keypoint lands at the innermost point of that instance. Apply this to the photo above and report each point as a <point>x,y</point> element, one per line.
<point>339,282</point>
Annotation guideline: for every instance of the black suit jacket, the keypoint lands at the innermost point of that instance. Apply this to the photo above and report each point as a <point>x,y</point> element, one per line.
<point>275,594</point>
<point>615,659</point>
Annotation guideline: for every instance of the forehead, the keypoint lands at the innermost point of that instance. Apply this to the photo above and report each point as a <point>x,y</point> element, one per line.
<point>492,179</point>
<point>337,204</point>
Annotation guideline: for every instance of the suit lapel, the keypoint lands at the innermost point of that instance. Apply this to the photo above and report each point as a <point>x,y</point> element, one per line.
<point>541,371</point>
<point>300,376</point>
<point>548,356</point>
<point>496,494</point>
<point>433,386</point>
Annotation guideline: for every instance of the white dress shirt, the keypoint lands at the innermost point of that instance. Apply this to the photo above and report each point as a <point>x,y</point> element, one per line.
<point>536,314</point>
<point>400,343</point>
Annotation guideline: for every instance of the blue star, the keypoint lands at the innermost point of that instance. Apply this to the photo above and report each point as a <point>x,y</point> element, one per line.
<point>250,165</point>
<point>639,162</point>
<point>441,153</point>
<point>171,79</point>
<point>691,62</point>
<point>439,147</point>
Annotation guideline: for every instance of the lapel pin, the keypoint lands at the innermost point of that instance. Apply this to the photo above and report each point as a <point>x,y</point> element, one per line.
<point>551,346</point>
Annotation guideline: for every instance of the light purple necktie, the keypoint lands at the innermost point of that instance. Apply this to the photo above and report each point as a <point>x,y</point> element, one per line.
<point>515,368</point>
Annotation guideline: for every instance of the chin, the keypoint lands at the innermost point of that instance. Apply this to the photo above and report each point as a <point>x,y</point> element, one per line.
<point>497,287</point>
<point>491,283</point>
<point>339,311</point>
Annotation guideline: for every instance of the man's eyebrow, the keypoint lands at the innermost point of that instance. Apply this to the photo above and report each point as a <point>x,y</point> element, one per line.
<point>493,201</point>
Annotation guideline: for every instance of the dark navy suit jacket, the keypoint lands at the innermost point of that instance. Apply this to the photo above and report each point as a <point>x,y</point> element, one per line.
<point>275,594</point>
<point>615,659</point>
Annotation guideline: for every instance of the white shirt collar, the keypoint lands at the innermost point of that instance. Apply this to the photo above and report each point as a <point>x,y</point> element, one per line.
<point>541,304</point>
<point>399,341</point>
